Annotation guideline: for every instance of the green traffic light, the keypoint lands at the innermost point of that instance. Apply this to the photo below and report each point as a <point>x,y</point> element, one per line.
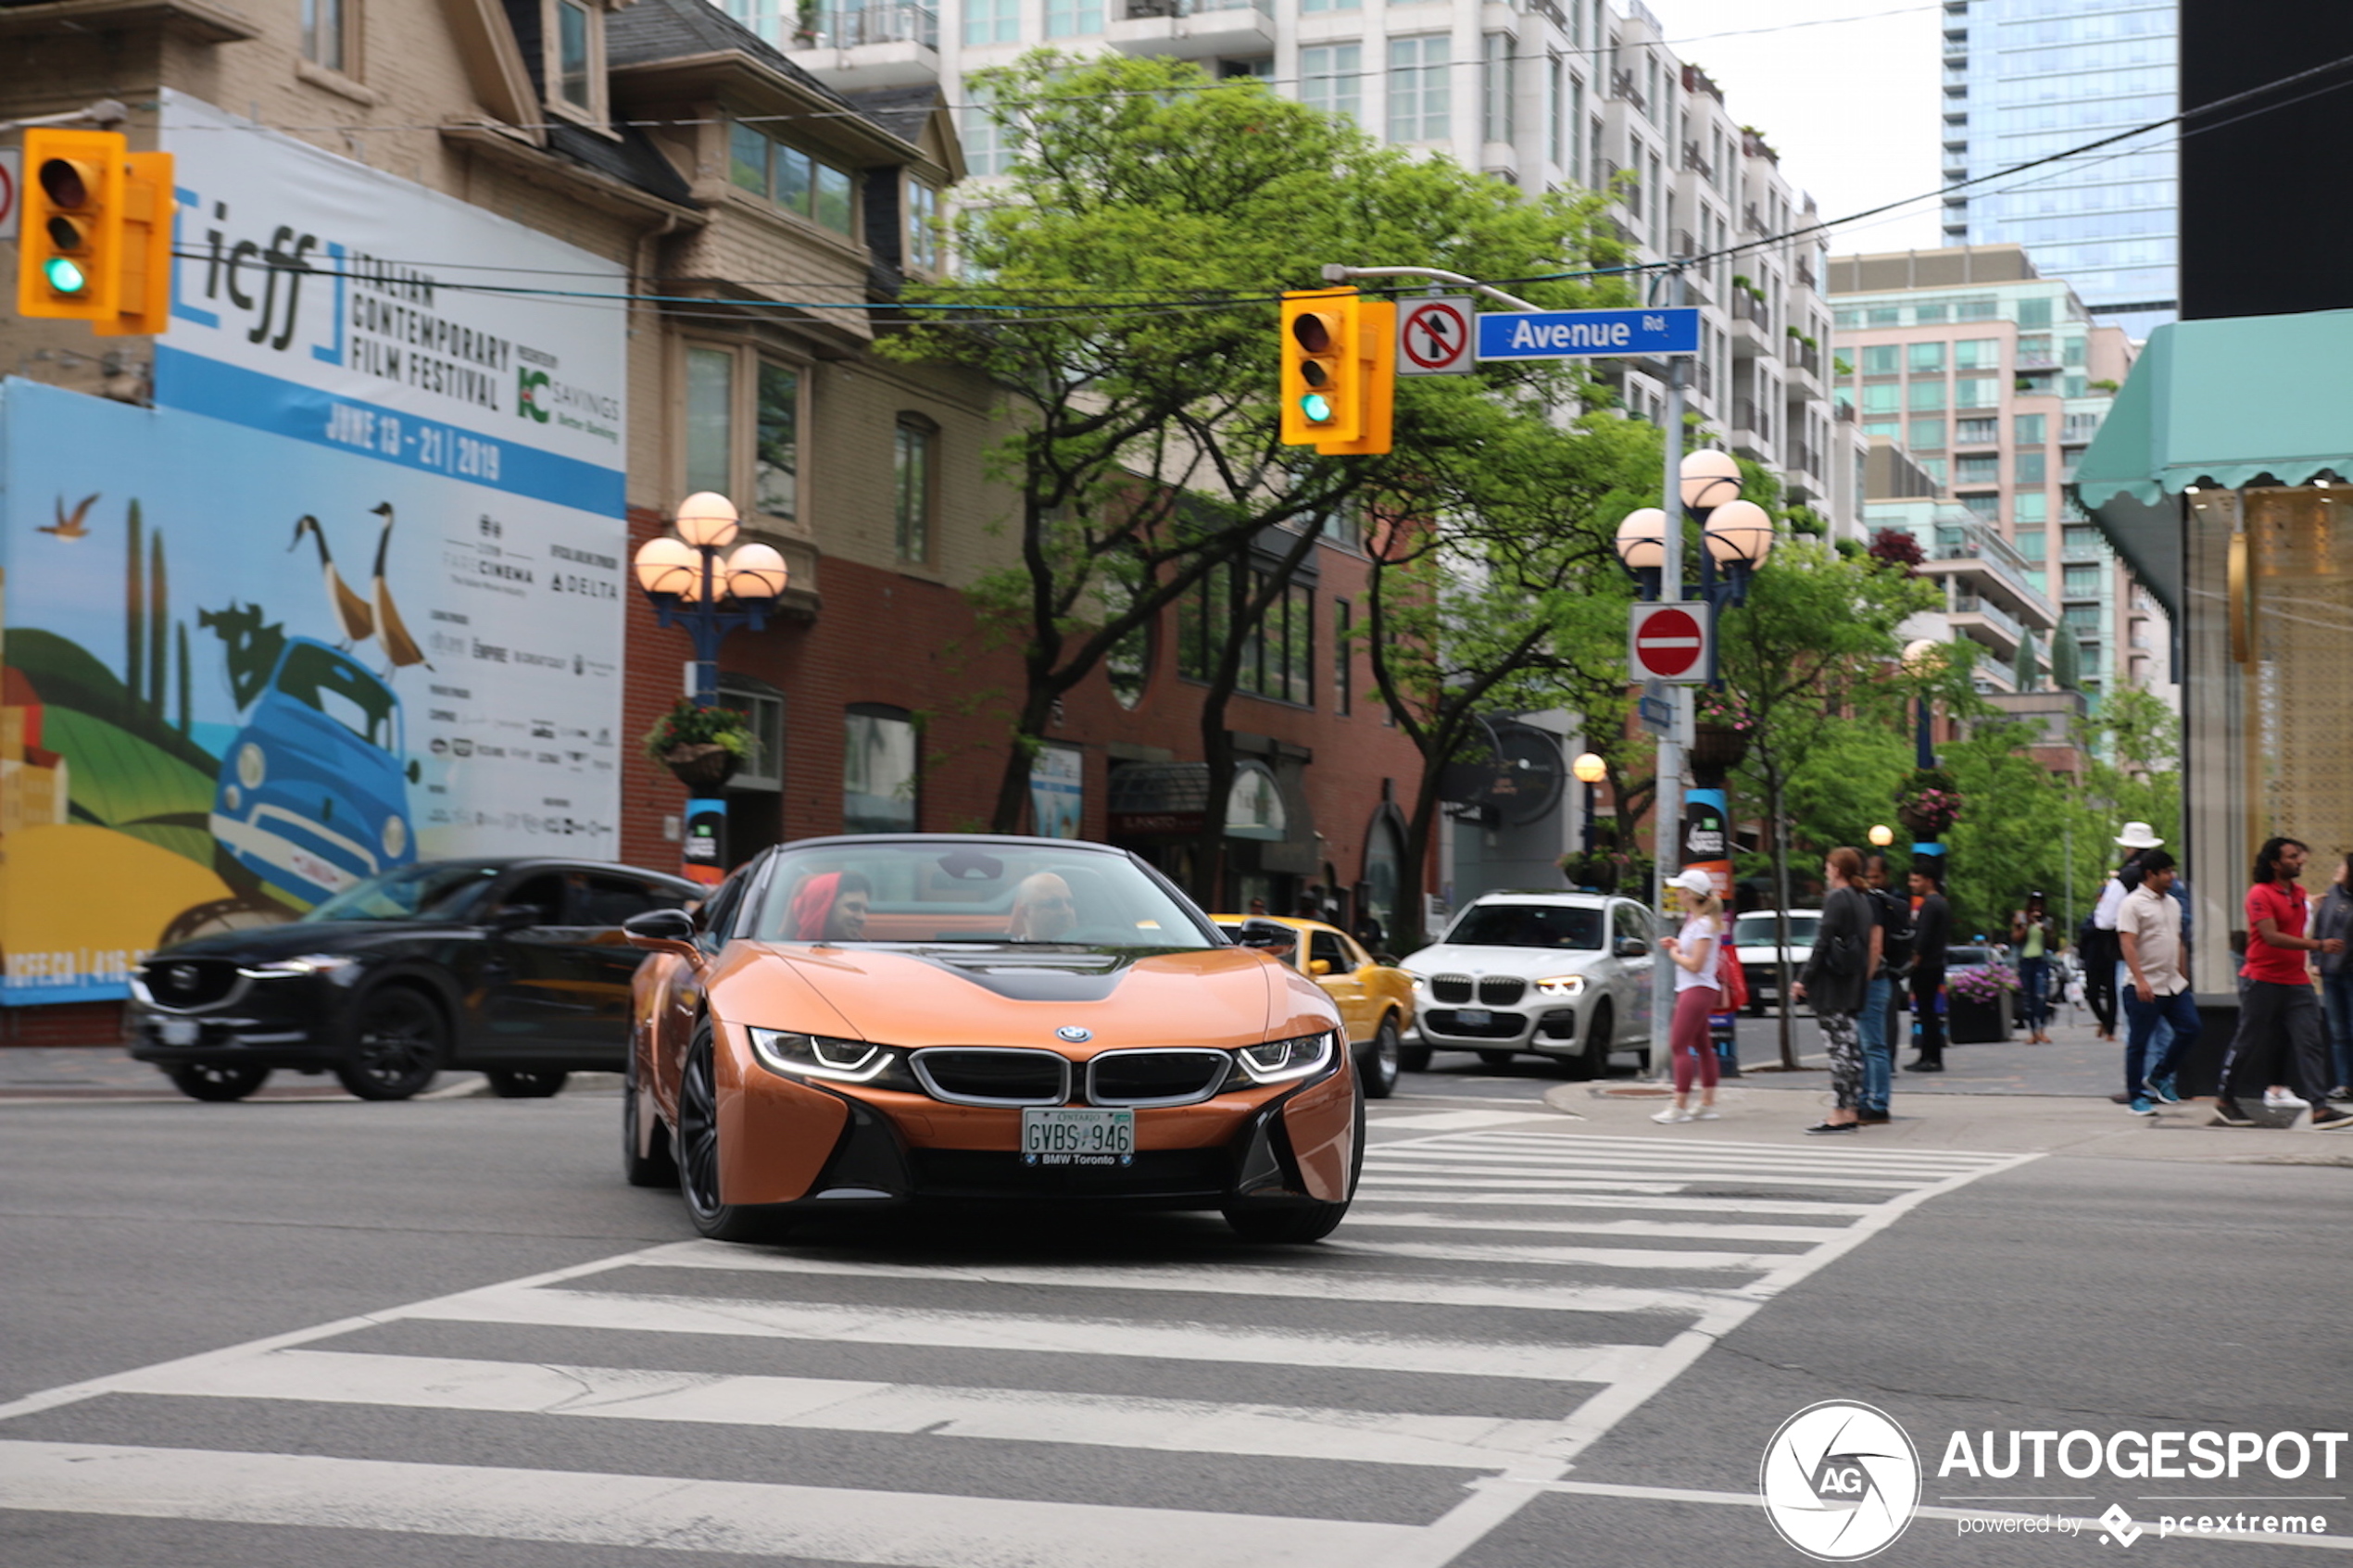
<point>64,275</point>
<point>1316,407</point>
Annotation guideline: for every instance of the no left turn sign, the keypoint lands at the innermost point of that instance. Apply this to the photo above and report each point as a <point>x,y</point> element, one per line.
<point>1670,642</point>
<point>1434,337</point>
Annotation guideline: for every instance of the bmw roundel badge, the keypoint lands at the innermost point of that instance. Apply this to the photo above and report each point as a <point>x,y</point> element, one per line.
<point>1074,1034</point>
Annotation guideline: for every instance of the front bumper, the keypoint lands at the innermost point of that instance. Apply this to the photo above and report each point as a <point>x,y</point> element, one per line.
<point>1545,1024</point>
<point>291,1021</point>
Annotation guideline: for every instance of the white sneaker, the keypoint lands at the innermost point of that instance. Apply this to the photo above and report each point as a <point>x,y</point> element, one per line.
<point>1708,1113</point>
<point>1672,1115</point>
<point>2285,1099</point>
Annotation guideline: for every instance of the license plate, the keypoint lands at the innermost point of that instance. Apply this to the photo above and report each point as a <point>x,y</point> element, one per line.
<point>1077,1138</point>
<point>1474,1017</point>
<point>178,1031</point>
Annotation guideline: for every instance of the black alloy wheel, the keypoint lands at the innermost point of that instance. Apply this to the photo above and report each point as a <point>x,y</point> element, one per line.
<point>1381,1064</point>
<point>1302,1220</point>
<point>217,1081</point>
<point>697,1155</point>
<point>397,1042</point>
<point>513,1083</point>
<point>1592,1057</point>
<point>655,1168</point>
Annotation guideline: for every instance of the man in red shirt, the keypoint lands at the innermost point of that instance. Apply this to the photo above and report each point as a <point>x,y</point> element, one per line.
<point>2277,1003</point>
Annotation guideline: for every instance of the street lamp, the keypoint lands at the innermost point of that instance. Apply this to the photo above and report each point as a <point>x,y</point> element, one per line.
<point>1921,659</point>
<point>1589,771</point>
<point>1882,835</point>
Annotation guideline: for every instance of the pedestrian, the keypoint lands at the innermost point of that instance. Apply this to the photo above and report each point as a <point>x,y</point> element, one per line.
<point>1368,933</point>
<point>1846,949</point>
<point>2034,936</point>
<point>1875,1024</point>
<point>1693,954</point>
<point>2103,958</point>
<point>2148,928</point>
<point>2335,918</point>
<point>1931,925</point>
<point>2276,1004</point>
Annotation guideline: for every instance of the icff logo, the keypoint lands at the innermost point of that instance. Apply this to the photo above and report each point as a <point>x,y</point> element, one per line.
<point>528,383</point>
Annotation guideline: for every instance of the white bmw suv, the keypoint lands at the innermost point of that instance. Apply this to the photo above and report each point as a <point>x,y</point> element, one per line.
<point>1566,975</point>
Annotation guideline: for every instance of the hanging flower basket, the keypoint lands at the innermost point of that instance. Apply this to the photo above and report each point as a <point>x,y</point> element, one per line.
<point>1717,746</point>
<point>1929,804</point>
<point>701,746</point>
<point>702,767</point>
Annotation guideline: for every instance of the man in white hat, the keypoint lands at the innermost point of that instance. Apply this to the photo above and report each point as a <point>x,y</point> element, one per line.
<point>2103,955</point>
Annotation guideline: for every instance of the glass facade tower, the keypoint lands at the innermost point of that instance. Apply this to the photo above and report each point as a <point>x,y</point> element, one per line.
<point>2025,78</point>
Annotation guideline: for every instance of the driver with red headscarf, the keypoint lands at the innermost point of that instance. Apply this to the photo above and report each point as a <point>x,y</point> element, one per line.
<point>831,908</point>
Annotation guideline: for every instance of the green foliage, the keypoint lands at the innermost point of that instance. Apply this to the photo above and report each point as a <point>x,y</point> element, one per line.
<point>2067,662</point>
<point>685,724</point>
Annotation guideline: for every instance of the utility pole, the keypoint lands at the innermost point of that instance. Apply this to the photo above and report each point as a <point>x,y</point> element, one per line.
<point>1667,800</point>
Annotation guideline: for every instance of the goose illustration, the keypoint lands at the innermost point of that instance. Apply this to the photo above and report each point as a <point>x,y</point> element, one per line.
<point>70,527</point>
<point>399,646</point>
<point>351,611</point>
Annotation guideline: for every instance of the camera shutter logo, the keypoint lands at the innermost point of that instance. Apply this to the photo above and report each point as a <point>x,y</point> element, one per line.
<point>1839,1481</point>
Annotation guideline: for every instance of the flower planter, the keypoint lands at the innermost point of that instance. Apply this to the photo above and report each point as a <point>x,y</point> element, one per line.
<point>1717,747</point>
<point>1921,825</point>
<point>701,767</point>
<point>1977,1023</point>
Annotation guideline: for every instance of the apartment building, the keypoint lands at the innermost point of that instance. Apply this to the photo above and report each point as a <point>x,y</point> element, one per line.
<point>1549,94</point>
<point>1993,380</point>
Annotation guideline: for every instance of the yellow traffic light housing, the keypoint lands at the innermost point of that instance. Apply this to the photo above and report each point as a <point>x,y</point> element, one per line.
<point>143,286</point>
<point>1339,371</point>
<point>70,242</point>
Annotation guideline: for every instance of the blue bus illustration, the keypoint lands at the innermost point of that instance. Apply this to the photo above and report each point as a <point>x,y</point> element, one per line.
<point>313,796</point>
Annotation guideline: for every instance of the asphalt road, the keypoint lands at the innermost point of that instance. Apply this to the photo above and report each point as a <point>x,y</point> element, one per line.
<point>1538,1340</point>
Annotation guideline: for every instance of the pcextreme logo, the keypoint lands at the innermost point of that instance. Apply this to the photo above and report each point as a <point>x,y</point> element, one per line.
<point>1839,1481</point>
<point>528,383</point>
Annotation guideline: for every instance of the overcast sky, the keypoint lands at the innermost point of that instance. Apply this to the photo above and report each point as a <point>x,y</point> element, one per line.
<point>1855,107</point>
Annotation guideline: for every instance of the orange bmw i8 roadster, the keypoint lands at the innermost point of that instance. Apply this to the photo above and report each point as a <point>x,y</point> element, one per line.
<point>869,1022</point>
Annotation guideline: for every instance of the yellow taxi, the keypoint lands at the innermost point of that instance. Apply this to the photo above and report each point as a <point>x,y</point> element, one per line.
<point>1375,1001</point>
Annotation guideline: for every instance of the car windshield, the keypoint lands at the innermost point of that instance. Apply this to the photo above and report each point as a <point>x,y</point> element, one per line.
<point>1761,930</point>
<point>439,890</point>
<point>1528,925</point>
<point>980,892</point>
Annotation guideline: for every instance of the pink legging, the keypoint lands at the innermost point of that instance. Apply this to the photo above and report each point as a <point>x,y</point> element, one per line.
<point>1687,1039</point>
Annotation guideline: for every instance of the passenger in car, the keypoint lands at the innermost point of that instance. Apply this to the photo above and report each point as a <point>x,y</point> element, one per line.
<point>830,907</point>
<point>1043,909</point>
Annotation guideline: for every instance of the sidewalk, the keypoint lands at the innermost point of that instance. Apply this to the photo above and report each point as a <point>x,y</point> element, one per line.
<point>2076,1062</point>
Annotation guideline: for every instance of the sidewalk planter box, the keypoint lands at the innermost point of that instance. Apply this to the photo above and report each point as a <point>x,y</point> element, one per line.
<point>1977,1023</point>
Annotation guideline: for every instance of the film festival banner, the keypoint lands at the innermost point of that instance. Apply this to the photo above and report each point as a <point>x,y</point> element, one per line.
<point>347,596</point>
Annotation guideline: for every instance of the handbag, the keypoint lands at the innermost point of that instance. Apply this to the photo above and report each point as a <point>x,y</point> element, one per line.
<point>1731,980</point>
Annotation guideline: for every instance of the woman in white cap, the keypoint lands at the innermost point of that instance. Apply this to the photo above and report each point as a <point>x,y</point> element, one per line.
<point>1696,997</point>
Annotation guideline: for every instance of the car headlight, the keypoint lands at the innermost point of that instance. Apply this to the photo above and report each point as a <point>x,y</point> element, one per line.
<point>1284,1062</point>
<point>332,964</point>
<point>834,1059</point>
<point>1421,985</point>
<point>395,837</point>
<point>250,771</point>
<point>1560,985</point>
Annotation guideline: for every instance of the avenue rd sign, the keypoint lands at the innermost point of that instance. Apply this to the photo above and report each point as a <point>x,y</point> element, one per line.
<point>1581,334</point>
<point>1670,642</point>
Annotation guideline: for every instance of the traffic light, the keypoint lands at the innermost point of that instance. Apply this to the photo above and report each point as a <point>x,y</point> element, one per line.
<point>1339,371</point>
<point>143,285</point>
<point>69,247</point>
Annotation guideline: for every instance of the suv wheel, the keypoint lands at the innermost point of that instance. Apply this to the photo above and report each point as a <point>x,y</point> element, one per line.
<point>398,1041</point>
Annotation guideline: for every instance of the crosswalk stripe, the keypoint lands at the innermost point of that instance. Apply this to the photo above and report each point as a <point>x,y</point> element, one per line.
<point>1309,1283</point>
<point>833,1322</point>
<point>1664,1201</point>
<point>1588,1257</point>
<point>665,1512</point>
<point>1621,1158</point>
<point>1391,1177</point>
<point>1702,1144</point>
<point>827,1404</point>
<point>1462,1120</point>
<point>1681,1229</point>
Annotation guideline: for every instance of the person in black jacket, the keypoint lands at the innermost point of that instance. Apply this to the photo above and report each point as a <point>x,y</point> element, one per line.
<point>1846,949</point>
<point>1931,925</point>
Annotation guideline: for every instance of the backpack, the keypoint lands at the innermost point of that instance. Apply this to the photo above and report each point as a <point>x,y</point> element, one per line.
<point>1895,930</point>
<point>1731,980</point>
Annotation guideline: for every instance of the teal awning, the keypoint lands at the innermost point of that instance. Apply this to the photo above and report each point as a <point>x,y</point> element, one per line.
<point>2221,403</point>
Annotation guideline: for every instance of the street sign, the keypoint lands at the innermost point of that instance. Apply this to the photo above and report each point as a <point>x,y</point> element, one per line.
<point>1655,707</point>
<point>1670,642</point>
<point>11,163</point>
<point>1585,334</point>
<point>1434,337</point>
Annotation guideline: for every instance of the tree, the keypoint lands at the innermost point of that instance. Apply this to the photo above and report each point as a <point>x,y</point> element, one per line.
<point>2067,662</point>
<point>1118,289</point>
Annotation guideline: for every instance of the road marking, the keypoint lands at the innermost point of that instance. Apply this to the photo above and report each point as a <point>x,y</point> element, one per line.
<point>1661,1199</point>
<point>1590,1257</point>
<point>1661,1228</point>
<point>664,1512</point>
<point>825,1404</point>
<point>1456,1121</point>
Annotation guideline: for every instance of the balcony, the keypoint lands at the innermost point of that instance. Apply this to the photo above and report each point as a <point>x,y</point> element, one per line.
<point>1697,162</point>
<point>1623,86</point>
<point>858,48</point>
<point>1803,358</point>
<point>1195,30</point>
<point>1752,221</point>
<point>1974,614</point>
<point>1753,429</point>
<point>1752,336</point>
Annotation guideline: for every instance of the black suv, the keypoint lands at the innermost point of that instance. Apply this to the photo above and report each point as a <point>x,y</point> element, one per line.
<point>514,967</point>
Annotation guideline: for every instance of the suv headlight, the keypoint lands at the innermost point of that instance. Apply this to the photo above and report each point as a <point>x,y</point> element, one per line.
<point>1421,985</point>
<point>1284,1061</point>
<point>335,965</point>
<point>835,1061</point>
<point>1561,985</point>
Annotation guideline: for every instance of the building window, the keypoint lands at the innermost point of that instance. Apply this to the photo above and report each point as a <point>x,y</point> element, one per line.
<point>2034,544</point>
<point>1421,101</point>
<point>2082,619</point>
<point>1926,435</point>
<point>2081,582</point>
<point>710,421</point>
<point>1976,432</point>
<point>1927,358</point>
<point>2031,506</point>
<point>1976,310</point>
<point>1987,507</point>
<point>574,58</point>
<point>991,21</point>
<point>988,149</point>
<point>1883,397</point>
<point>571,53</point>
<point>1496,81</point>
<point>2035,313</point>
<point>1978,470</point>
<point>879,770</point>
<point>789,178</point>
<point>2028,467</point>
<point>1925,314</point>
<point>1891,429</point>
<point>2030,430</point>
<point>913,458</point>
<point>922,226</point>
<point>1332,79</point>
<point>1276,654</point>
<point>1883,316</point>
<point>763,766</point>
<point>322,33</point>
<point>1879,360</point>
<point>1308,6</point>
<point>775,465</point>
<point>1978,354</point>
<point>1074,19</point>
<point>1924,395</point>
<point>1977,392</point>
<point>1343,657</point>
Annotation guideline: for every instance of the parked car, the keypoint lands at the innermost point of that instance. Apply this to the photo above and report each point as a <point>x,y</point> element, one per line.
<point>1565,976</point>
<point>863,1023</point>
<point>1375,999</point>
<point>1757,937</point>
<point>515,967</point>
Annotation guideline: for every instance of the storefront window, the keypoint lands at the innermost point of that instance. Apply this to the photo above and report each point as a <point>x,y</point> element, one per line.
<point>879,770</point>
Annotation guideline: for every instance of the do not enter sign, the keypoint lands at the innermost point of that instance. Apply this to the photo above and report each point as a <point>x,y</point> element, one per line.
<point>1670,642</point>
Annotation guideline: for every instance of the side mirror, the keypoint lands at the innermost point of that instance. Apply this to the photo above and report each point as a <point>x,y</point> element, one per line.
<point>1632,947</point>
<point>1266,936</point>
<point>517,917</point>
<point>662,931</point>
<point>1319,966</point>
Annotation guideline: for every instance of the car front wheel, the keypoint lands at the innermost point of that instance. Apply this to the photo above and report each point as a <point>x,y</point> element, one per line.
<point>1383,1061</point>
<point>217,1081</point>
<point>398,1041</point>
<point>699,1151</point>
<point>1591,1059</point>
<point>655,1168</point>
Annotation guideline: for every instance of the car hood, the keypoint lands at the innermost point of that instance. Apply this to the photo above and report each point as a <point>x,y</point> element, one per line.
<point>1531,963</point>
<point>993,995</point>
<point>266,944</point>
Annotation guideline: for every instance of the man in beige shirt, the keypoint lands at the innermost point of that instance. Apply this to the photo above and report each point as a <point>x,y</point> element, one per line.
<point>2149,926</point>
